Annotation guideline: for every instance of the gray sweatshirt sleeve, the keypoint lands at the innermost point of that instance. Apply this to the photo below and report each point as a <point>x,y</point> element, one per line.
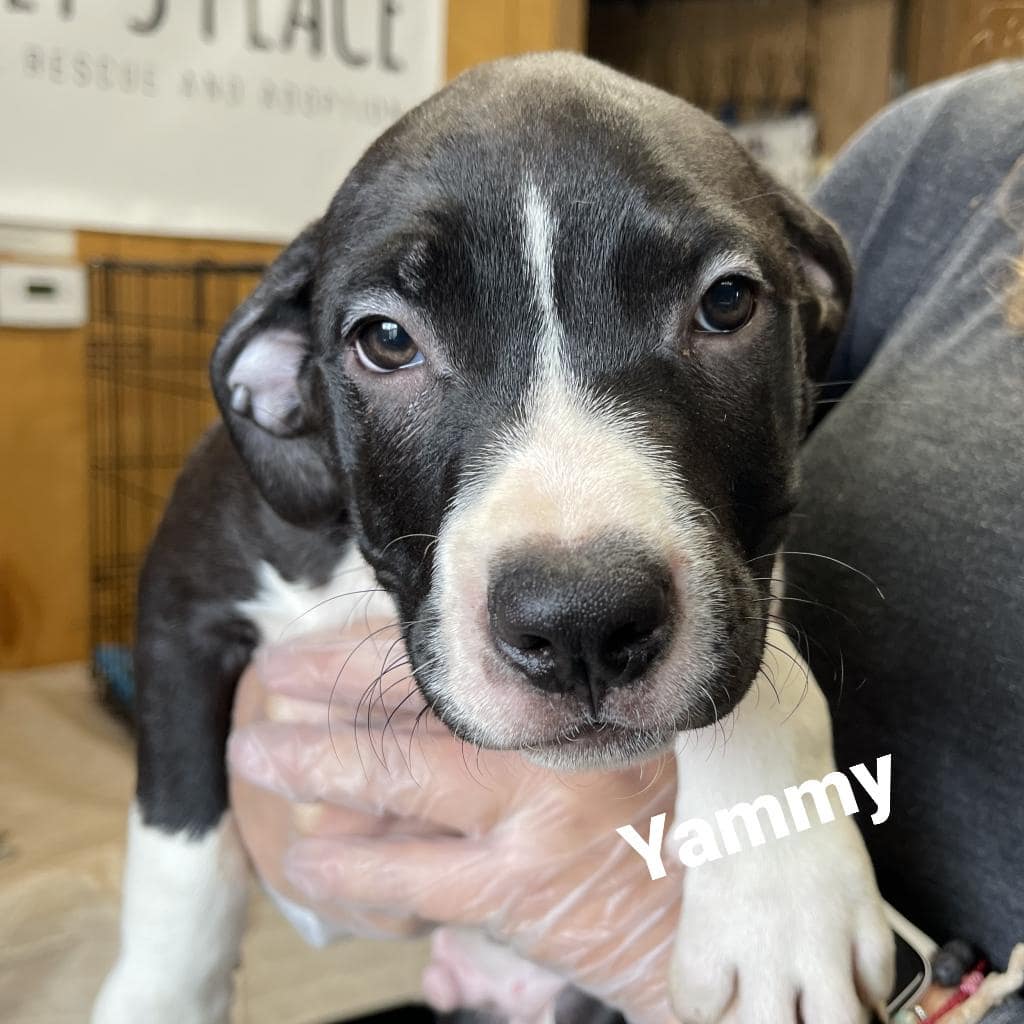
<point>906,188</point>
<point>915,479</point>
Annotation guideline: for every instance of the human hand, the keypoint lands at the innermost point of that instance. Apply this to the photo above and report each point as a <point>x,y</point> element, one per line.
<point>399,824</point>
<point>269,822</point>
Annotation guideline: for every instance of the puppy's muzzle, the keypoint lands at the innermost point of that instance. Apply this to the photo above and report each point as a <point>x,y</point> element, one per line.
<point>581,619</point>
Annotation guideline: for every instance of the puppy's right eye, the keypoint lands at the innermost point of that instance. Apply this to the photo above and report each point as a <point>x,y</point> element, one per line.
<point>383,346</point>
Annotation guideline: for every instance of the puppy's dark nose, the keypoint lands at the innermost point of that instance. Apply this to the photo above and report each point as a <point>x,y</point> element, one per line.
<point>583,619</point>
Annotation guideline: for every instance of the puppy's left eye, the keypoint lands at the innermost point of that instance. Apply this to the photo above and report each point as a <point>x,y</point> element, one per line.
<point>726,306</point>
<point>384,346</point>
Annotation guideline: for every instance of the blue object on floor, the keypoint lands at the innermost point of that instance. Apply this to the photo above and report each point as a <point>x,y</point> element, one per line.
<point>113,664</point>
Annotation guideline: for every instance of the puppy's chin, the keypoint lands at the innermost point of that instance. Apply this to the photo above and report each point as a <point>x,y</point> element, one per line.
<point>556,732</point>
<point>607,746</point>
<point>601,748</point>
<point>584,746</point>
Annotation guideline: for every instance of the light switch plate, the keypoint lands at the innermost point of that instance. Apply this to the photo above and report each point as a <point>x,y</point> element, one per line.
<point>42,296</point>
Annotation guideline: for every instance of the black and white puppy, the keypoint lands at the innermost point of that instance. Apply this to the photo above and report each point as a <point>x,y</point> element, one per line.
<point>541,370</point>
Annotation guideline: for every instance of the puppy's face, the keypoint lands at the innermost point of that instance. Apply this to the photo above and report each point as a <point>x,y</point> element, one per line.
<point>548,350</point>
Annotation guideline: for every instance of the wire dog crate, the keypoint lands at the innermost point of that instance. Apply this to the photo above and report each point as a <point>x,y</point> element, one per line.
<point>152,330</point>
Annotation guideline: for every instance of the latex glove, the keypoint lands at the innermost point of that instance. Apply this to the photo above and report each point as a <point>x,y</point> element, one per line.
<point>419,827</point>
<point>468,970</point>
<point>269,822</point>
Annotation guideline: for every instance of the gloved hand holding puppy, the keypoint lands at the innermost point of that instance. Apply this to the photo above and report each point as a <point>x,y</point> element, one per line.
<point>365,816</point>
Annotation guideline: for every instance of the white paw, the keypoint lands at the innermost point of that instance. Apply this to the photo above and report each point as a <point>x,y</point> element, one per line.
<point>792,932</point>
<point>131,996</point>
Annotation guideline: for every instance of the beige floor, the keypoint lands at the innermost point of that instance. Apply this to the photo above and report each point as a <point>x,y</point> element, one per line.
<point>65,778</point>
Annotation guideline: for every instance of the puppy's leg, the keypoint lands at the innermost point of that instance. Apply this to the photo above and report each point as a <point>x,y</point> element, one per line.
<point>185,876</point>
<point>792,930</point>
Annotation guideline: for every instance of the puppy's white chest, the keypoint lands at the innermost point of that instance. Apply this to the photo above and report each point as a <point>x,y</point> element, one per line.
<point>286,609</point>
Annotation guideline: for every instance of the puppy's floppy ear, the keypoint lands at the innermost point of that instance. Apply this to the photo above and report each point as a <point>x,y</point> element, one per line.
<point>268,387</point>
<point>828,274</point>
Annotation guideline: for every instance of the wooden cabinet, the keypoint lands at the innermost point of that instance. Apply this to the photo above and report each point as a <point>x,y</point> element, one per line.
<point>481,30</point>
<point>758,56</point>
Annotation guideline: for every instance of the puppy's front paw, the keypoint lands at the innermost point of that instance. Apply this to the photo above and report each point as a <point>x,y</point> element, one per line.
<point>133,993</point>
<point>788,933</point>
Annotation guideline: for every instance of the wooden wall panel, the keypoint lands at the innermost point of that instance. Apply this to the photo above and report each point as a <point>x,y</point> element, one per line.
<point>43,581</point>
<point>750,53</point>
<point>44,606</point>
<point>854,58</point>
<point>481,30</point>
<point>947,36</point>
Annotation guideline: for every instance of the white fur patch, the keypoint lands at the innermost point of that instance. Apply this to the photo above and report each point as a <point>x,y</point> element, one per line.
<point>182,919</point>
<point>541,227</point>
<point>285,609</point>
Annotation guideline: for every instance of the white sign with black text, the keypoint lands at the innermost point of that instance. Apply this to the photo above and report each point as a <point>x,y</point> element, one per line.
<point>213,118</point>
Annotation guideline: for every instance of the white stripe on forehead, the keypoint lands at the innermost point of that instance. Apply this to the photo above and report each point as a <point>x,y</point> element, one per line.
<point>540,227</point>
